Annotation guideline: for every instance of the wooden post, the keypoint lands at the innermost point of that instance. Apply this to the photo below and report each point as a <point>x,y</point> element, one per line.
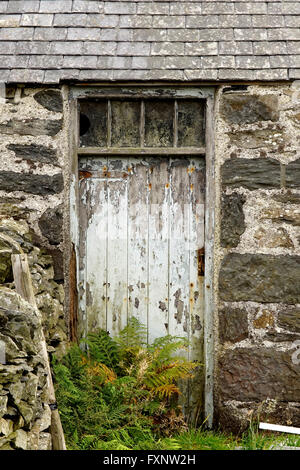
<point>23,283</point>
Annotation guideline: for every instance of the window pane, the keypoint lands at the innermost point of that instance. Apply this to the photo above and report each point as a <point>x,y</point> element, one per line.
<point>159,123</point>
<point>93,123</point>
<point>125,124</point>
<point>190,123</point>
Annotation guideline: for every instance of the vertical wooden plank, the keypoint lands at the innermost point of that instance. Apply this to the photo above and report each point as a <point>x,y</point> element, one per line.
<point>93,252</point>
<point>82,229</point>
<point>209,263</point>
<point>71,210</point>
<point>179,259</point>
<point>74,299</point>
<point>179,248</point>
<point>158,277</point>
<point>96,254</point>
<point>196,220</point>
<point>117,253</point>
<point>138,239</point>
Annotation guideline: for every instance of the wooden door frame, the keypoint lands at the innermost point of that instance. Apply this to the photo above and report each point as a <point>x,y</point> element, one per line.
<point>71,96</point>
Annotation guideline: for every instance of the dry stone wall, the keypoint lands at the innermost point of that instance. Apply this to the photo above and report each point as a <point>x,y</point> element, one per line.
<point>31,221</point>
<point>257,371</point>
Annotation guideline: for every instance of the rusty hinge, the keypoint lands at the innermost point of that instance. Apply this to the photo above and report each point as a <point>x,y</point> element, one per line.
<point>201,261</point>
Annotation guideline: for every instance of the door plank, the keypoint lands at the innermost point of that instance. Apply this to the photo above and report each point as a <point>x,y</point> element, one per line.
<point>179,259</point>
<point>96,255</point>
<point>158,279</point>
<point>117,263</point>
<point>138,240</point>
<point>196,218</point>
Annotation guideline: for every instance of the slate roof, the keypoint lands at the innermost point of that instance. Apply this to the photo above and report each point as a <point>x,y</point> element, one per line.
<point>45,41</point>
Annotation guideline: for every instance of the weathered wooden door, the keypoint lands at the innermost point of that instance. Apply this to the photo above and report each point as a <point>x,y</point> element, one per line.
<point>142,232</point>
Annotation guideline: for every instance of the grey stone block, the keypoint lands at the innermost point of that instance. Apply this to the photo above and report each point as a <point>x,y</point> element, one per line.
<point>250,7</point>
<point>25,76</point>
<point>50,99</point>
<point>183,62</point>
<point>182,35</point>
<point>257,173</point>
<point>260,278</point>
<point>201,48</point>
<point>132,49</point>
<point>90,6</point>
<point>217,8</point>
<point>103,49</point>
<point>290,8</point>
<point>289,319</point>
<point>270,47</point>
<point>8,47</point>
<point>45,61</point>
<point>102,21</point>
<point>50,34</point>
<point>231,74</point>
<point>294,73</point>
<point>267,21</point>
<point>239,108</point>
<point>149,35</point>
<point>292,21</point>
<point>55,6</point>
<point>121,8</point>
<point>34,153</point>
<point>208,74</point>
<point>283,34</point>
<point>29,183</point>
<point>232,219</point>
<point>293,174</point>
<point>235,48</point>
<point>3,6</point>
<point>35,19</point>
<point>79,62</point>
<point>219,34</point>
<point>235,21</point>
<point>259,374</point>
<point>83,34</point>
<point>167,48</point>
<point>253,62</point>
<point>32,126</point>
<point>17,6</point>
<point>135,21</point>
<point>250,34</point>
<point>153,8</point>
<point>208,21</point>
<point>186,8</point>
<point>66,48</point>
<point>68,20</point>
<point>16,34</point>
<point>168,22</point>
<point>280,61</point>
<point>51,223</point>
<point>225,62</point>
<point>233,324</point>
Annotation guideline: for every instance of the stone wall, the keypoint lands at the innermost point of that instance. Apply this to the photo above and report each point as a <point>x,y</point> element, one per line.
<point>257,371</point>
<point>25,415</point>
<point>31,221</point>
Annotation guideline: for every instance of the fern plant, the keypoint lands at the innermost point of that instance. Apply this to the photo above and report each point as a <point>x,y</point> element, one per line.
<point>121,391</point>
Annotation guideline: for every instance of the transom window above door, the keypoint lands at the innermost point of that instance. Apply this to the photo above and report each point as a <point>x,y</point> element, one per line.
<point>160,126</point>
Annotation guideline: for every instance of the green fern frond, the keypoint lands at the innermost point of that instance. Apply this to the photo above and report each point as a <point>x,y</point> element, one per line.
<point>133,336</point>
<point>102,348</point>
